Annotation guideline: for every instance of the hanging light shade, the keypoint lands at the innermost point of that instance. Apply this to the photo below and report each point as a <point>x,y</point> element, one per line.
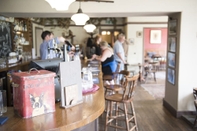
<point>80,18</point>
<point>60,4</point>
<point>89,28</point>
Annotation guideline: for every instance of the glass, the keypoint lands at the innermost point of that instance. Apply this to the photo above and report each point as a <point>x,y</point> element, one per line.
<point>87,79</point>
<point>1,104</point>
<point>2,62</point>
<point>4,101</point>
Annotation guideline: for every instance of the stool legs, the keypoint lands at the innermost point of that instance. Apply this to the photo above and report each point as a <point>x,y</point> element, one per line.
<point>133,112</point>
<point>126,116</point>
<point>117,113</point>
<point>129,116</point>
<point>107,115</point>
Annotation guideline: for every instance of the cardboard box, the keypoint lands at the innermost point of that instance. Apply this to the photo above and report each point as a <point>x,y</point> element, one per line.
<point>33,93</point>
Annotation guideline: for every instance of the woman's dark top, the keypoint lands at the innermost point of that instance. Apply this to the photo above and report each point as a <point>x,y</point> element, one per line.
<point>109,66</point>
<point>97,49</point>
<point>90,50</point>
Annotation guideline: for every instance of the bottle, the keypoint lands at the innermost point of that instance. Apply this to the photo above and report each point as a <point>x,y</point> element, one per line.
<point>90,80</point>
<point>25,27</point>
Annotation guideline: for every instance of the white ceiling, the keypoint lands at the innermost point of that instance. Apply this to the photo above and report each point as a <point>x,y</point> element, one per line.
<point>60,14</point>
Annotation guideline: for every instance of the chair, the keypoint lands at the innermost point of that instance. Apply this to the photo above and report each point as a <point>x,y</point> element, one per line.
<point>116,87</point>
<point>125,98</point>
<point>195,121</point>
<point>195,93</point>
<point>149,71</point>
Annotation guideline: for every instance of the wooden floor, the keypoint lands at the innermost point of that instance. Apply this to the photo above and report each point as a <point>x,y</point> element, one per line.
<point>151,115</point>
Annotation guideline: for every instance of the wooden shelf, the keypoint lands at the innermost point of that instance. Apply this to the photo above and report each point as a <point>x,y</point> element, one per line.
<point>26,34</point>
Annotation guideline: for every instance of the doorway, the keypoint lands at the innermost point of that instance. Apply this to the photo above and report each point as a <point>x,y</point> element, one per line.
<point>110,35</point>
<point>154,52</point>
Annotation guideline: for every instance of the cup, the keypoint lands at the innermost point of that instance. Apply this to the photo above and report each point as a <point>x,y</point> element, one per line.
<point>1,104</point>
<point>4,101</point>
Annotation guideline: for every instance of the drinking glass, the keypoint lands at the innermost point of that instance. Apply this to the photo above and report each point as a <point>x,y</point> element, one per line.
<point>4,101</point>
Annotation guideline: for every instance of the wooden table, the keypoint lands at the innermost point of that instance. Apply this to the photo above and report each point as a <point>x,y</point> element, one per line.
<point>62,119</point>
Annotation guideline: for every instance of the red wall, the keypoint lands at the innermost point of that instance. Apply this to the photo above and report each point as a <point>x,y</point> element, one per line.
<point>148,45</point>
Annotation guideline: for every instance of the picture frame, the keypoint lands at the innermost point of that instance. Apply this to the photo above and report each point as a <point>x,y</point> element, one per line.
<point>172,27</point>
<point>171,76</point>
<point>155,36</point>
<point>172,43</point>
<point>171,59</point>
<point>139,34</point>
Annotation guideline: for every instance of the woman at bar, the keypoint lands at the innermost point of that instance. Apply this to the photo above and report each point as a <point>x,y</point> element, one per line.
<point>107,60</point>
<point>97,41</point>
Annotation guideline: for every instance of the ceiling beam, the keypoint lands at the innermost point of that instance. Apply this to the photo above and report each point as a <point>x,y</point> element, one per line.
<point>106,1</point>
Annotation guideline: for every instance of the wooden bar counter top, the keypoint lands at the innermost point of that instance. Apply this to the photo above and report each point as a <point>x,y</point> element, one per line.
<point>62,119</point>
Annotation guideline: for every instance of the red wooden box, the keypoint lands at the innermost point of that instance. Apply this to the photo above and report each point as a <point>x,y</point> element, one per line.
<point>33,93</point>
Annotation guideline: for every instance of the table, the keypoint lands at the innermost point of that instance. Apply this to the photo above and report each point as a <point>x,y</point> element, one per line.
<point>75,118</point>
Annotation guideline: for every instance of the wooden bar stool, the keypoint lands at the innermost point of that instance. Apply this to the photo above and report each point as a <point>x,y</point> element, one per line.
<point>117,87</point>
<point>112,89</point>
<point>125,113</point>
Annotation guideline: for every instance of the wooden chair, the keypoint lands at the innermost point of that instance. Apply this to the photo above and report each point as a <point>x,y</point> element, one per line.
<point>195,93</point>
<point>111,77</point>
<point>125,98</point>
<point>195,121</point>
<point>117,87</point>
<point>149,71</point>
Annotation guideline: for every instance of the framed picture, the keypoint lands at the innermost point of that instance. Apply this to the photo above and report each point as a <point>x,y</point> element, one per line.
<point>172,27</point>
<point>171,76</point>
<point>155,36</point>
<point>172,44</point>
<point>139,34</point>
<point>171,59</point>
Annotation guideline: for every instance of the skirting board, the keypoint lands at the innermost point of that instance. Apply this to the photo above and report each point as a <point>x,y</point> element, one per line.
<point>176,113</point>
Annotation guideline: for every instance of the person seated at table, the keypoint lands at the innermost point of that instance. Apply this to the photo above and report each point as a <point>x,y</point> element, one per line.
<point>107,60</point>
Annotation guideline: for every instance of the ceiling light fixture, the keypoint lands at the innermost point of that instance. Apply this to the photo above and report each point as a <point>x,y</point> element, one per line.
<point>89,28</point>
<point>80,18</point>
<point>108,32</point>
<point>60,4</point>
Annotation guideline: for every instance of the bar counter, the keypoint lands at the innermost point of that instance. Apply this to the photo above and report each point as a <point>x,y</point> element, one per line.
<point>82,117</point>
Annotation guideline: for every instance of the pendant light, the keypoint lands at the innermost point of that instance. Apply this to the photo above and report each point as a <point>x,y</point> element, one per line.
<point>89,28</point>
<point>80,18</point>
<point>60,4</point>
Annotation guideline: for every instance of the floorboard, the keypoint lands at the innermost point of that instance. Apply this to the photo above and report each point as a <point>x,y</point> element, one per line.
<point>151,115</point>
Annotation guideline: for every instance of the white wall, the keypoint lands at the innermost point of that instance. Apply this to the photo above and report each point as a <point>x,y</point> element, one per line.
<point>34,39</point>
<point>137,47</point>
<point>79,32</point>
<point>33,29</point>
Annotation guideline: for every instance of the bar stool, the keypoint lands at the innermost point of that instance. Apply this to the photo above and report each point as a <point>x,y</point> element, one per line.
<point>112,89</point>
<point>126,114</point>
<point>117,87</point>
